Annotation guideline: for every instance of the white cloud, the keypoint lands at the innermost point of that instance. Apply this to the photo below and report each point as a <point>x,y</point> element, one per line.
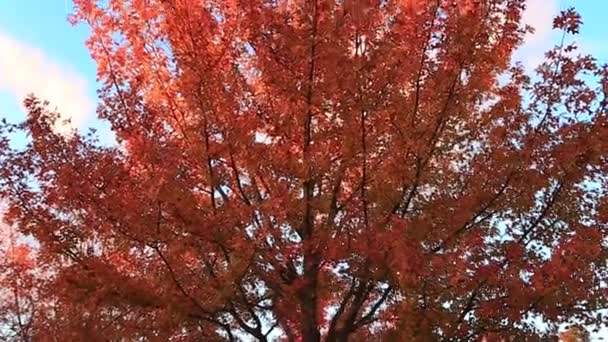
<point>539,14</point>
<point>25,69</point>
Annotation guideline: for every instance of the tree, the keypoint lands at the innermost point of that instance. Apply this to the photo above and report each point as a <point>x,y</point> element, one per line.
<point>575,334</point>
<point>17,287</point>
<point>319,170</point>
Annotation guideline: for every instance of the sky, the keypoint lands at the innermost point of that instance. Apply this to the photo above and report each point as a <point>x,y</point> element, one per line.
<point>41,52</point>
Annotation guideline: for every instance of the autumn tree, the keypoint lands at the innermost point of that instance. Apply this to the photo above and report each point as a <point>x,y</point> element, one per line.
<point>17,287</point>
<point>318,170</point>
<point>575,334</point>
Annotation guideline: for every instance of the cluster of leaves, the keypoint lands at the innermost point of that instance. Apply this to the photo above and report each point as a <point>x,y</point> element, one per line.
<point>575,334</point>
<point>318,170</point>
<point>18,282</point>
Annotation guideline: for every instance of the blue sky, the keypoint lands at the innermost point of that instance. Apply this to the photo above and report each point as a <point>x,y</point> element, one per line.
<point>41,52</point>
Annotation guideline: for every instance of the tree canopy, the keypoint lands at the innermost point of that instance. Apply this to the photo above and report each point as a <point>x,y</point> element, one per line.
<point>313,170</point>
<point>575,334</point>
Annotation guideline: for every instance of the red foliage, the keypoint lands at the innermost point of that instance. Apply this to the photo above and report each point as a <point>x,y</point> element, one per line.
<point>306,171</point>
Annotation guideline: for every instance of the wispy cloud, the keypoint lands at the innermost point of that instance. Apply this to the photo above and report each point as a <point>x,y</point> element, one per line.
<point>26,69</point>
<point>539,14</point>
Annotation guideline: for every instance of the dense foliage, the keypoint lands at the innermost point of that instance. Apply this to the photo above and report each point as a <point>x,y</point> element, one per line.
<point>313,170</point>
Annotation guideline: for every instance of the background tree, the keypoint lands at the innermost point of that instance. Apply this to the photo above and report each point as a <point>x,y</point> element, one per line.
<point>318,170</point>
<point>17,287</point>
<point>575,334</point>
